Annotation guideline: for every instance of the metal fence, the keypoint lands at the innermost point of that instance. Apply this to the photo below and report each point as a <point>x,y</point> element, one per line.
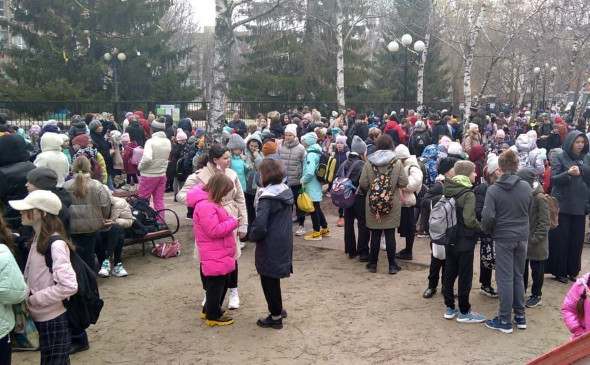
<point>26,112</point>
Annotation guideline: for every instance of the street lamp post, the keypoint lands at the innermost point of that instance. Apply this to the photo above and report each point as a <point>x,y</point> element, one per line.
<point>393,47</point>
<point>115,67</point>
<point>544,83</point>
<point>536,71</point>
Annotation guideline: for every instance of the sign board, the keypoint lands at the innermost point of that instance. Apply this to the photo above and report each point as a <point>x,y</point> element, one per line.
<point>169,109</point>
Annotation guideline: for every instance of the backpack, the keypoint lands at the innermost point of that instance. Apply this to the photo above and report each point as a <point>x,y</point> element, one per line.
<point>420,140</point>
<point>96,169</point>
<point>137,155</point>
<point>326,168</point>
<point>381,192</point>
<point>84,307</point>
<point>444,221</point>
<point>553,210</point>
<point>343,192</point>
<point>144,214</point>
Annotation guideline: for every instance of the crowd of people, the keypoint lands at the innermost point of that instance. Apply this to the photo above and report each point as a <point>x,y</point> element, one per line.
<point>519,186</point>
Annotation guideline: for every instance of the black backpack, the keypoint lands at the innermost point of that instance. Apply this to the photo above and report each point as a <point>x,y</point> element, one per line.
<point>144,214</point>
<point>84,307</point>
<point>420,140</point>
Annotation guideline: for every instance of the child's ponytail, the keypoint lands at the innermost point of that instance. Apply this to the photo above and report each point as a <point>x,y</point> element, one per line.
<point>580,304</point>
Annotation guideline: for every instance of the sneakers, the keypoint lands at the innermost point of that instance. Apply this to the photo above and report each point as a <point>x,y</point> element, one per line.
<point>423,234</point>
<point>520,322</point>
<point>119,271</point>
<point>394,269</point>
<point>326,232</point>
<point>315,236</point>
<point>382,245</point>
<point>300,231</point>
<point>269,322</point>
<point>105,269</point>
<point>450,313</point>
<point>234,299</point>
<point>340,222</point>
<point>242,245</point>
<point>404,255</point>
<point>221,321</point>
<point>497,324</point>
<point>488,291</point>
<point>533,301</point>
<point>471,317</point>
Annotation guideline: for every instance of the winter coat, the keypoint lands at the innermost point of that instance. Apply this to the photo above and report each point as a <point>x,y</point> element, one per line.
<point>472,138</point>
<point>505,214</point>
<point>136,133</point>
<point>395,131</point>
<point>104,148</point>
<point>88,214</point>
<point>477,155</point>
<point>64,213</point>
<point>469,227</point>
<point>251,186</point>
<point>528,153</point>
<point>277,129</point>
<point>103,166</point>
<point>239,127</point>
<point>423,135</point>
<point>571,192</point>
<point>370,146</point>
<point>213,229</point>
<point>355,175</point>
<point>272,231</point>
<point>67,151</point>
<point>340,157</point>
<point>78,128</point>
<point>399,179</point>
<point>52,157</point>
<point>568,310</point>
<point>46,290</point>
<point>430,159</point>
<point>361,129</point>
<point>155,156</point>
<point>309,180</point>
<point>540,222</point>
<point>415,178</point>
<point>14,289</point>
<point>239,166</point>
<point>186,125</point>
<point>293,158</point>
<point>130,169</point>
<point>121,212</point>
<point>439,130</point>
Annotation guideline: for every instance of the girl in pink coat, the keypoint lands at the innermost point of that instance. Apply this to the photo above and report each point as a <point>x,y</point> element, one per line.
<point>216,244</point>
<point>576,307</point>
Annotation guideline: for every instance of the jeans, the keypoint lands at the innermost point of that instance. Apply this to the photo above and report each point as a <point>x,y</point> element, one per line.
<point>357,211</point>
<point>85,246</point>
<point>389,244</point>
<point>458,264</point>
<point>436,266</point>
<point>538,275</point>
<point>510,261</point>
<point>153,187</point>
<point>318,220</point>
<point>272,293</point>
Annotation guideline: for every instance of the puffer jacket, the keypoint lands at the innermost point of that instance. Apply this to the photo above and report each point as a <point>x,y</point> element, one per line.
<point>238,165</point>
<point>13,289</point>
<point>472,139</point>
<point>130,169</point>
<point>527,144</point>
<point>213,229</point>
<point>540,221</point>
<point>251,186</point>
<point>572,192</point>
<point>186,125</point>
<point>293,158</point>
<point>568,310</point>
<point>87,214</point>
<point>78,128</point>
<point>155,156</point>
<point>52,157</point>
<point>309,180</point>
<point>121,212</point>
<point>399,179</point>
<point>415,178</point>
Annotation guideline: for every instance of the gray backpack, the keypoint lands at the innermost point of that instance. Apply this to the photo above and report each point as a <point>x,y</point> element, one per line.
<point>444,221</point>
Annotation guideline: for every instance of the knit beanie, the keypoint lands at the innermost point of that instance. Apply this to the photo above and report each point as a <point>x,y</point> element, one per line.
<point>115,134</point>
<point>472,126</point>
<point>291,128</point>
<point>180,135</point>
<point>358,146</point>
<point>454,148</point>
<point>445,141</point>
<point>269,148</point>
<point>492,163</point>
<point>464,168</point>
<point>307,116</point>
<point>310,138</point>
<point>159,124</point>
<point>64,138</point>
<point>500,134</point>
<point>43,178</point>
<point>446,164</point>
<point>34,129</point>
<point>125,138</point>
<point>81,140</point>
<point>236,142</point>
<point>49,122</point>
<point>341,139</point>
<point>401,151</point>
<point>93,126</point>
<point>528,174</point>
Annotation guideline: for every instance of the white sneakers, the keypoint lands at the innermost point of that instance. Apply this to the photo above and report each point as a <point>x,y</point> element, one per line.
<point>105,270</point>
<point>300,231</point>
<point>119,270</point>
<point>234,299</point>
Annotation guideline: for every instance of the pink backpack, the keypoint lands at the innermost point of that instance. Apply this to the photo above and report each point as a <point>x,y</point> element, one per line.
<point>137,155</point>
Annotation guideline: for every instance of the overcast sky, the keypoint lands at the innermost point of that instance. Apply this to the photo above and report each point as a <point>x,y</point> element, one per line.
<point>204,11</point>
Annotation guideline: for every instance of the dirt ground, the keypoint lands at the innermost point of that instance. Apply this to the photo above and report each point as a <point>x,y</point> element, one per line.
<point>338,313</point>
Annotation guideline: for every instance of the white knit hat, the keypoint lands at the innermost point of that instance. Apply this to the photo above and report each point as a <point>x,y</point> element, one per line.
<point>291,128</point>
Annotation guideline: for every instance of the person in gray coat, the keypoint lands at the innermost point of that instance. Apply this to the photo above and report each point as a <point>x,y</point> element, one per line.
<point>505,216</point>
<point>293,156</point>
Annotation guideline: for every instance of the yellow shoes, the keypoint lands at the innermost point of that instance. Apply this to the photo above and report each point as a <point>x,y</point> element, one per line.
<point>315,236</point>
<point>203,315</point>
<point>326,232</point>
<point>222,321</point>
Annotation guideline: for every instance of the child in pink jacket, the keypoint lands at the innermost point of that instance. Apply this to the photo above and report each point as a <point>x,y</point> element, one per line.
<point>576,307</point>
<point>216,244</point>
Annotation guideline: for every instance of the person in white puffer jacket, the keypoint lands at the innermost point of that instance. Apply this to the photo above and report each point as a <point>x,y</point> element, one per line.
<point>528,153</point>
<point>153,165</point>
<point>52,157</point>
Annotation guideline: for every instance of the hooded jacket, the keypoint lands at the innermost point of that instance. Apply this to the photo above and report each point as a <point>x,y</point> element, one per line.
<point>241,169</point>
<point>439,130</point>
<point>472,139</point>
<point>469,226</point>
<point>52,157</point>
<point>78,128</point>
<point>399,179</point>
<point>571,192</point>
<point>370,146</point>
<point>121,212</point>
<point>309,180</point>
<point>155,156</point>
<point>213,229</point>
<point>505,215</point>
<point>526,147</point>
<point>104,148</point>
<point>272,231</point>
<point>568,310</point>
<point>186,125</point>
<point>415,178</point>
<point>540,221</point>
<point>251,186</point>
<point>14,289</point>
<point>88,213</point>
<point>293,158</point>
<point>130,169</point>
<point>395,131</point>
<point>477,155</point>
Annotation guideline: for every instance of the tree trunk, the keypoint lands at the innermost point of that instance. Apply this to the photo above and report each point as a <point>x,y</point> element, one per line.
<point>486,79</point>
<point>223,41</point>
<point>570,74</point>
<point>340,58</point>
<point>579,106</point>
<point>420,80</point>
<point>474,28</point>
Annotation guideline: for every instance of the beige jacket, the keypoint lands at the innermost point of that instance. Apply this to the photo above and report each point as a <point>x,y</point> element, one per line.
<point>88,214</point>
<point>415,177</point>
<point>121,212</point>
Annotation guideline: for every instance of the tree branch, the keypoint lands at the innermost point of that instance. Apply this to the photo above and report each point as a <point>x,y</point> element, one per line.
<point>256,16</point>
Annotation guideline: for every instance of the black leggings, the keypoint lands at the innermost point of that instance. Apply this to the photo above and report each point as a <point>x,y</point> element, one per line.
<point>389,243</point>
<point>318,220</point>
<point>132,177</point>
<point>251,212</point>
<point>300,214</point>
<point>272,293</point>
<point>112,244</point>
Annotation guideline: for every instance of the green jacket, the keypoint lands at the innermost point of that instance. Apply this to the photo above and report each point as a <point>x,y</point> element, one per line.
<point>468,232</point>
<point>539,221</point>
<point>13,289</point>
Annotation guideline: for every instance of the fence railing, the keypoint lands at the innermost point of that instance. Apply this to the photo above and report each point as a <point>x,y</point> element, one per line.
<point>27,112</point>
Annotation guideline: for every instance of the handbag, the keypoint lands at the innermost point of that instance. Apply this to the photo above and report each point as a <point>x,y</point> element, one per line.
<point>439,251</point>
<point>167,249</point>
<point>304,203</point>
<point>487,253</point>
<point>25,336</point>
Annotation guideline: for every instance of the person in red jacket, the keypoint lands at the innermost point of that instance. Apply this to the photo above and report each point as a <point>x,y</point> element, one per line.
<point>130,169</point>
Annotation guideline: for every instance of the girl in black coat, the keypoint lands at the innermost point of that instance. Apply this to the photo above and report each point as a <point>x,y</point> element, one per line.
<point>274,247</point>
